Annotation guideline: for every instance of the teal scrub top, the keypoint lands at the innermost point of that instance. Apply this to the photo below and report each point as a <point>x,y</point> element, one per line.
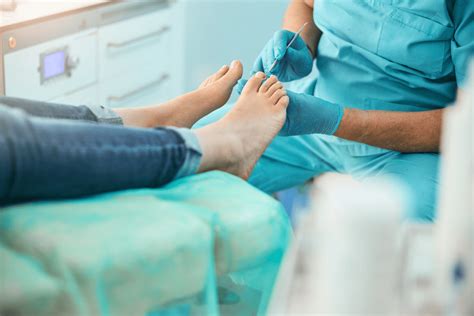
<point>399,55</point>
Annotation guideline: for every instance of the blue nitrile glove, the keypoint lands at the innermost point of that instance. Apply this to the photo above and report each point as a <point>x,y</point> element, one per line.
<point>307,114</point>
<point>294,63</point>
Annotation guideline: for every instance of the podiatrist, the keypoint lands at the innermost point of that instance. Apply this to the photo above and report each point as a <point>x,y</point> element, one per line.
<point>372,105</point>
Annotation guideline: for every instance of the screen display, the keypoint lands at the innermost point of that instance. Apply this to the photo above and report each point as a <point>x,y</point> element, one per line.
<point>54,64</point>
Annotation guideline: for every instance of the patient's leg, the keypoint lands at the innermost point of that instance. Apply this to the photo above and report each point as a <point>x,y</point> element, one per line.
<point>187,109</point>
<point>44,158</point>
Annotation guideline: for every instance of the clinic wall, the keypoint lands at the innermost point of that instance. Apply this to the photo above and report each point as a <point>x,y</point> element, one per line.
<point>218,31</point>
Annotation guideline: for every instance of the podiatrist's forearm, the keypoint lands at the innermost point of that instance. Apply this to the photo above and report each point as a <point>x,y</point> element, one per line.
<point>298,13</point>
<point>399,131</point>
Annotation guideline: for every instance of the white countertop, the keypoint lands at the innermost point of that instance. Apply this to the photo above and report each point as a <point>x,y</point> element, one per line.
<point>28,10</point>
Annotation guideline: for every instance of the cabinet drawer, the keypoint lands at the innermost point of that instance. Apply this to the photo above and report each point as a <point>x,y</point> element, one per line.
<point>85,96</point>
<point>43,71</point>
<point>136,43</point>
<point>123,91</point>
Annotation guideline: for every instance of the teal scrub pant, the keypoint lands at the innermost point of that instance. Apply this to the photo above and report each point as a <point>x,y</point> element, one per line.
<point>291,161</point>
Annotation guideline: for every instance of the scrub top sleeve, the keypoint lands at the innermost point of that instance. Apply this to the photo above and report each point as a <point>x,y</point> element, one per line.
<point>462,46</point>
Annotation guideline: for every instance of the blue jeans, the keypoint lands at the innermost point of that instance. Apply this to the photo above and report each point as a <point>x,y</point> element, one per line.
<point>50,151</point>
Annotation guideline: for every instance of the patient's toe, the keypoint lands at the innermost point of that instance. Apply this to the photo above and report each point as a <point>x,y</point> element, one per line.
<point>220,73</point>
<point>235,72</point>
<point>254,83</point>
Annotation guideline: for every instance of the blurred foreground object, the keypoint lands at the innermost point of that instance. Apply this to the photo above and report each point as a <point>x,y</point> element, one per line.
<point>8,5</point>
<point>344,258</point>
<point>455,226</point>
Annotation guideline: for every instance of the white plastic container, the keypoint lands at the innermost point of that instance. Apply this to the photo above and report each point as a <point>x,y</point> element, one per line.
<point>344,260</point>
<point>455,225</point>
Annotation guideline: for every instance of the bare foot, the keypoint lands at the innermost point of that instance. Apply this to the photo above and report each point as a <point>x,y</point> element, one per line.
<point>186,110</point>
<point>236,142</point>
<point>213,93</point>
<point>216,89</point>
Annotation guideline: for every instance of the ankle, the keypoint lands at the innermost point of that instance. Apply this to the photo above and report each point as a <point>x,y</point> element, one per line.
<point>220,146</point>
<point>137,117</point>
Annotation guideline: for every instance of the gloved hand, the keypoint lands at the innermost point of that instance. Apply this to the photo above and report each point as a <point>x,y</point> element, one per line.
<point>294,63</point>
<point>307,114</point>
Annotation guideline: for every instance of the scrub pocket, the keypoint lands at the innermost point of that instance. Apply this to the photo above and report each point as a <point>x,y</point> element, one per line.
<point>415,42</point>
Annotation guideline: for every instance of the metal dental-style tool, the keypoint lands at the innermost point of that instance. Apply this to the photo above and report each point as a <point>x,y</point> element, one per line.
<point>289,45</point>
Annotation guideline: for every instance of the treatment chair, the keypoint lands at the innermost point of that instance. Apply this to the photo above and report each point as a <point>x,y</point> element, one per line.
<point>202,245</point>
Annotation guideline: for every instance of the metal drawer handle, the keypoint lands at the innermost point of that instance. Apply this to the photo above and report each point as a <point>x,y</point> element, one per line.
<point>139,90</point>
<point>164,29</point>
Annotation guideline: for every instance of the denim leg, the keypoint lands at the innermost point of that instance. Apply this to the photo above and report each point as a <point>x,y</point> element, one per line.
<point>46,159</point>
<point>91,113</point>
<point>193,155</point>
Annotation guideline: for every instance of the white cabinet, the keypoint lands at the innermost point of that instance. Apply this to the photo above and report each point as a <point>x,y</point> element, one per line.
<point>125,58</point>
<point>126,91</point>
<point>84,96</point>
<point>133,45</point>
<point>136,60</point>
<point>23,74</point>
